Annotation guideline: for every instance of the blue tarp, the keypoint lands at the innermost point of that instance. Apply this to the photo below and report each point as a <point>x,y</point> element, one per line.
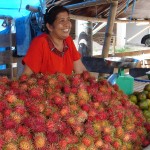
<point>16,8</point>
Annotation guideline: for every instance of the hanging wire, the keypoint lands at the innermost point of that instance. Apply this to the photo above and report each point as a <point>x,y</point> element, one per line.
<point>127,5</point>
<point>133,7</point>
<point>20,5</point>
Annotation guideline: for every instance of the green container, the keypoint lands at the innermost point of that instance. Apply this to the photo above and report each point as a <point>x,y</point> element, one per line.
<point>125,83</point>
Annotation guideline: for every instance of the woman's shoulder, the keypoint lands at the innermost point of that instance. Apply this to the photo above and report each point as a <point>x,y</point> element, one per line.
<point>69,38</point>
<point>40,37</point>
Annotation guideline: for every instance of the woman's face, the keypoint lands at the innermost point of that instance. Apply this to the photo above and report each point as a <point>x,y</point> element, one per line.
<point>61,26</point>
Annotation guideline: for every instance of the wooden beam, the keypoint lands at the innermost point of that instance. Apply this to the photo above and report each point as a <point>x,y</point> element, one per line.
<point>109,28</point>
<point>89,3</point>
<point>94,19</point>
<point>7,40</point>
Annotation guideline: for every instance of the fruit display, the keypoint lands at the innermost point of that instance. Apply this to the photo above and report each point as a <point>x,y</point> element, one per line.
<point>60,112</point>
<point>142,100</point>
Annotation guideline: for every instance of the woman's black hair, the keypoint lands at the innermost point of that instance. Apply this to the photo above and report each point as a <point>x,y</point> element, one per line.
<point>51,14</point>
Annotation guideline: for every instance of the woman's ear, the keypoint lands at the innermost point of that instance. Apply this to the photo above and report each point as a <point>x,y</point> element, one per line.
<point>49,27</point>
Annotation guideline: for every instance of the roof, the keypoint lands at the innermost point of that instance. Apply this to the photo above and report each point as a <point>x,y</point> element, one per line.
<point>135,9</point>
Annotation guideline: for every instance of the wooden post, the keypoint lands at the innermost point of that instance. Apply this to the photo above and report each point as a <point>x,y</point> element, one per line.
<point>109,28</point>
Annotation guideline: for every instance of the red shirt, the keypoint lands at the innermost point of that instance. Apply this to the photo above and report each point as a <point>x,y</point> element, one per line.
<point>42,58</point>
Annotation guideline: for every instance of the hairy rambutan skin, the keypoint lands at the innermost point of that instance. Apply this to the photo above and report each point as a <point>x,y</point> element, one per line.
<point>40,140</point>
<point>10,96</point>
<point>8,123</point>
<point>75,112</point>
<point>11,146</point>
<point>25,143</point>
<point>36,92</point>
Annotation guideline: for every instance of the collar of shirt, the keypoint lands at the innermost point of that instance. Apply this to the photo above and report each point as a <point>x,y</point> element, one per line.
<point>55,50</point>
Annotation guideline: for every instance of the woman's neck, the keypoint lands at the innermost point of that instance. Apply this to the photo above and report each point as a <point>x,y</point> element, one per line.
<point>58,43</point>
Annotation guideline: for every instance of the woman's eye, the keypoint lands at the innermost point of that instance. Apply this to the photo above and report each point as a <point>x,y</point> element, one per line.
<point>62,21</point>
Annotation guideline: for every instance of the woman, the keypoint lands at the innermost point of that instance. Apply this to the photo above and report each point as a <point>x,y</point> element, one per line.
<point>54,51</point>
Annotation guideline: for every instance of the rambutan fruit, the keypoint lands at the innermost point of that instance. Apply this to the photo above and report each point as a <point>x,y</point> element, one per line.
<point>76,80</point>
<point>117,143</point>
<point>62,125</point>
<point>9,135</point>
<point>74,107</point>
<point>119,132</point>
<point>72,98</point>
<point>97,126</point>
<point>51,125</point>
<point>66,89</point>
<point>55,116</point>
<point>11,146</point>
<point>52,137</point>
<point>36,92</point>
<point>74,90</point>
<point>83,94</point>
<point>16,117</point>
<point>71,120</point>
<point>22,130</point>
<point>81,146</point>
<point>23,86</point>
<point>99,143</point>
<point>87,140</point>
<point>82,116</point>
<point>3,105</point>
<point>39,140</point>
<point>78,129</point>
<point>108,130</point>
<point>90,130</point>
<point>23,78</point>
<point>62,144</point>
<point>1,142</point>
<point>7,111</point>
<point>52,81</point>
<point>72,139</point>
<point>8,123</point>
<point>10,96</point>
<point>20,109</point>
<point>86,75</point>
<point>67,131</point>
<point>127,137</point>
<point>107,138</point>
<point>61,77</point>
<point>31,81</point>
<point>25,143</point>
<point>86,107</point>
<point>65,110</point>
<point>4,80</point>
<point>14,84</point>
<point>58,100</point>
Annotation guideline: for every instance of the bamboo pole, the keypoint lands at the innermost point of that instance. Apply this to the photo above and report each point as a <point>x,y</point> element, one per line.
<point>109,28</point>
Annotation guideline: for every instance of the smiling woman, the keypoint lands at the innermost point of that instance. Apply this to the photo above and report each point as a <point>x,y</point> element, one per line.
<point>54,51</point>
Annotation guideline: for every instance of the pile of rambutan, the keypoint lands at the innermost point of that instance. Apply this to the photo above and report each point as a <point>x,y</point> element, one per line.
<point>60,112</point>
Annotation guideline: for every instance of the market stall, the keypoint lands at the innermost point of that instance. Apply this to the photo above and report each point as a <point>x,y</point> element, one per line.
<point>77,111</point>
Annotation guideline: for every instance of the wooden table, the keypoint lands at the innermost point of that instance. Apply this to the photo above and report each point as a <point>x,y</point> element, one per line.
<point>140,82</point>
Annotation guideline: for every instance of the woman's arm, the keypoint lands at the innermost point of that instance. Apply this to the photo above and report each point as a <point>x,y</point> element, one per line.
<point>79,67</point>
<point>27,70</point>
